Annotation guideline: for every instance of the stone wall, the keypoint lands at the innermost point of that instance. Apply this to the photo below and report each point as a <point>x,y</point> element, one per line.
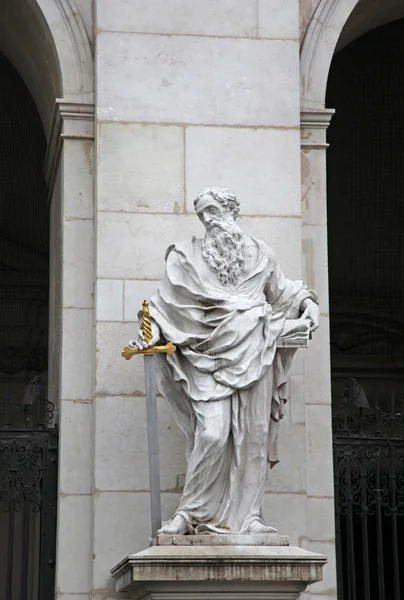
<point>186,98</point>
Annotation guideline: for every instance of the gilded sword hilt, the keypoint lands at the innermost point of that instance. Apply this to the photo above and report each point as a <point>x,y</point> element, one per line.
<point>169,348</point>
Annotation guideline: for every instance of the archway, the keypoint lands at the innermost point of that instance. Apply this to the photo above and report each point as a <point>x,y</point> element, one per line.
<point>46,91</point>
<point>26,444</point>
<point>333,26</point>
<point>365,190</point>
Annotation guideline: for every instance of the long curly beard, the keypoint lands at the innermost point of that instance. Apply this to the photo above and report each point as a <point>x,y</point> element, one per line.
<point>222,249</point>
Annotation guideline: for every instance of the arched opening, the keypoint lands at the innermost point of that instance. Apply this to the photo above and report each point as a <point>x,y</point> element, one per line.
<point>27,440</point>
<point>365,206</point>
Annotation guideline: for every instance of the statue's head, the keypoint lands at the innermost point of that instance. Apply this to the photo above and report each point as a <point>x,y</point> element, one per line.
<point>222,247</point>
<point>216,205</point>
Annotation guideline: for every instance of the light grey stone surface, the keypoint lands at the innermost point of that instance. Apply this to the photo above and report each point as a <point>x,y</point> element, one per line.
<point>230,539</point>
<point>289,512</point>
<point>110,302</point>
<point>328,585</point>
<point>121,526</point>
<point>315,265</point>
<point>117,232</point>
<point>265,179</point>
<point>251,82</point>
<point>319,456</point>
<point>77,370</point>
<point>134,293</point>
<point>78,160</point>
<point>142,167</point>
<point>74,544</point>
<point>78,263</point>
<point>225,18</point>
<point>320,517</point>
<point>75,452</point>
<point>278,19</point>
<point>317,369</point>
<point>219,571</point>
<point>123,465</point>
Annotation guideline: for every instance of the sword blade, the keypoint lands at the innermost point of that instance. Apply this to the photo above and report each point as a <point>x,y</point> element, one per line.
<point>153,443</point>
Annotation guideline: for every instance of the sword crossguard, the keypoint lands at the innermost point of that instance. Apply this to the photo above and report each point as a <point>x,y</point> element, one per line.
<point>148,336</point>
<point>167,349</point>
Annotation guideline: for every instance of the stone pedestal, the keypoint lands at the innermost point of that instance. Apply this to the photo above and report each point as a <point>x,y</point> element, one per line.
<point>184,567</point>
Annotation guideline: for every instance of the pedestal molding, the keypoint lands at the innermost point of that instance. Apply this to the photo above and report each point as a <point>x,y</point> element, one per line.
<point>221,569</point>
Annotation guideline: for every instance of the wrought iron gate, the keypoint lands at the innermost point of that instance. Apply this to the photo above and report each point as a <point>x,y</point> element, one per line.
<point>369,496</point>
<point>28,491</point>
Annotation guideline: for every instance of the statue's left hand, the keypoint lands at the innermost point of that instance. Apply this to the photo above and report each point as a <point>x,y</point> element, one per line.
<point>312,313</point>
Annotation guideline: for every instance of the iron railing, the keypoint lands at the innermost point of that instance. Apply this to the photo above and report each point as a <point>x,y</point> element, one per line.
<point>28,493</point>
<point>369,496</point>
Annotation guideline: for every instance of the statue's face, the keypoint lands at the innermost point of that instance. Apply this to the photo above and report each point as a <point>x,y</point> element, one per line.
<point>212,212</point>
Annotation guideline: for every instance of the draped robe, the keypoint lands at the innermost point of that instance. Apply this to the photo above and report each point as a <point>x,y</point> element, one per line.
<point>226,383</point>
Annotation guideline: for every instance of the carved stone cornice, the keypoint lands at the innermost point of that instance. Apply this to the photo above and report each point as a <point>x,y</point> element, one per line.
<point>313,127</point>
<point>72,120</point>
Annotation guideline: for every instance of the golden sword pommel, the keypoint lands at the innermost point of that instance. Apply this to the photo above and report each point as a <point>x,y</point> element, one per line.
<point>148,336</point>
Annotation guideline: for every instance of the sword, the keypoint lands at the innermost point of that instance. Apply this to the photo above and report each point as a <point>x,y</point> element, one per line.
<point>151,412</point>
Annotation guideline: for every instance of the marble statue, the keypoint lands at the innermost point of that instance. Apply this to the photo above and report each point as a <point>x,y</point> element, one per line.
<point>225,303</point>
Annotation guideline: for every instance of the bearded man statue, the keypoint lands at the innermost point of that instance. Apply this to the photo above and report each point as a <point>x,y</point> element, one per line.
<point>224,302</point>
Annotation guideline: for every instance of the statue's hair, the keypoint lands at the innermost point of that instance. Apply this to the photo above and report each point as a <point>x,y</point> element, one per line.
<point>224,196</point>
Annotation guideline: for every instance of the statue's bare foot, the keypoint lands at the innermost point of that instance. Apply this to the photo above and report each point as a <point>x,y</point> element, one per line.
<point>177,526</point>
<point>260,527</point>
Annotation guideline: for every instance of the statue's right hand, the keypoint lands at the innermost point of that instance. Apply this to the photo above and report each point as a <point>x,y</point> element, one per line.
<point>140,343</point>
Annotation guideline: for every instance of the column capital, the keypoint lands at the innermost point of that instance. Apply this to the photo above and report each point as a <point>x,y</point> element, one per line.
<point>72,120</point>
<point>313,126</point>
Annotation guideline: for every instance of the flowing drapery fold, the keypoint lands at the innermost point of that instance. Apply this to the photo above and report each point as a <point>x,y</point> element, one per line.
<point>226,358</point>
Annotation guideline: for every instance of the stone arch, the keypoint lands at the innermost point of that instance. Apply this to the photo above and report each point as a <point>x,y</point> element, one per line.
<point>318,46</point>
<point>334,24</point>
<point>47,42</point>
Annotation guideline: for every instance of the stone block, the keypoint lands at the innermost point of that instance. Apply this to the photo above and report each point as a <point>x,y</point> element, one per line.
<point>75,447</point>
<point>235,18</point>
<point>327,588</point>
<point>296,408</point>
<point>261,166</point>
<point>78,263</point>
<point>135,291</point>
<point>227,539</point>
<point>123,465</point>
<point>115,375</point>
<point>109,300</point>
<point>74,544</point>
<point>319,459</point>
<point>185,79</point>
<point>278,19</point>
<point>121,527</point>
<point>316,360</point>
<point>77,354</point>
<point>73,596</point>
<point>290,474</point>
<point>315,263</point>
<point>143,241</point>
<point>78,174</point>
<point>320,519</point>
<point>140,167</point>
<point>140,253</point>
<point>283,236</point>
<point>314,187</point>
<point>288,513</point>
